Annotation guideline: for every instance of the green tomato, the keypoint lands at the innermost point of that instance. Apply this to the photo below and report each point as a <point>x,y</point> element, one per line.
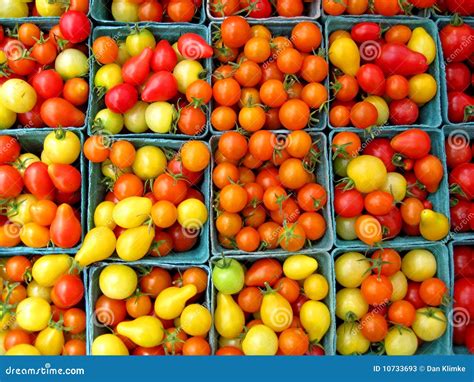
<point>159,117</point>
<point>13,9</point>
<point>396,185</point>
<point>186,72</point>
<point>400,341</point>
<point>150,161</point>
<point>108,76</point>
<point>7,117</point>
<point>228,276</point>
<point>429,324</point>
<point>350,339</point>
<point>340,166</point>
<point>125,11</point>
<point>72,63</point>
<point>134,119</point>
<point>345,228</point>
<point>351,269</point>
<point>139,40</point>
<point>123,54</point>
<point>382,109</point>
<point>350,304</point>
<point>18,96</point>
<point>419,265</point>
<point>107,120</point>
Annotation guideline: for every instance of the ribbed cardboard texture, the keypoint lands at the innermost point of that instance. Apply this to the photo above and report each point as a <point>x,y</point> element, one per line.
<point>417,13</point>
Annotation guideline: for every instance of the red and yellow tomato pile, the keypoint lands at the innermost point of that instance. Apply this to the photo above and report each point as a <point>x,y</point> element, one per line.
<point>384,185</point>
<point>42,8</point>
<point>39,197</point>
<point>266,298</point>
<point>267,194</point>
<point>463,307</point>
<point>265,81</point>
<point>132,11</point>
<point>384,75</point>
<point>42,306</point>
<point>391,302</point>
<point>259,9</point>
<point>42,73</point>
<point>154,312</point>
<point>150,85</point>
<point>458,52</point>
<point>152,207</point>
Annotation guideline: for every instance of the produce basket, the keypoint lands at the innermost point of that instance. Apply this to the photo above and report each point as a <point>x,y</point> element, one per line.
<point>443,345</point>
<point>34,143</point>
<point>418,13</point>
<point>325,267</point>
<point>324,244</point>
<point>429,113</point>
<point>95,328</point>
<point>170,32</point>
<point>278,28</point>
<point>440,198</point>
<point>97,191</point>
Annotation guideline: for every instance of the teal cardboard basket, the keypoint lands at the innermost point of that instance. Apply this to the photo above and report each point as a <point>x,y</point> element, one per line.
<point>170,32</point>
<point>33,142</point>
<point>278,28</point>
<point>441,23</point>
<point>459,136</point>
<point>101,12</point>
<point>325,268</point>
<point>45,24</point>
<point>418,13</point>
<point>97,191</point>
<point>312,12</point>
<point>457,317</point>
<point>440,198</point>
<point>324,244</point>
<point>95,328</point>
<point>430,113</point>
<point>443,345</point>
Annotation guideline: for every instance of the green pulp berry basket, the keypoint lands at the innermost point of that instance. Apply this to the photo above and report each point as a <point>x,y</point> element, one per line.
<point>170,32</point>
<point>440,198</point>
<point>325,267</point>
<point>443,345</point>
<point>97,191</point>
<point>95,328</point>
<point>34,143</point>
<point>324,244</point>
<point>429,114</point>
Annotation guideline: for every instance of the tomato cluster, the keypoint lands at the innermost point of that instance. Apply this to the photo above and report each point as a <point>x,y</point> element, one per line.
<point>265,81</point>
<point>42,8</point>
<point>459,57</point>
<point>267,195</point>
<point>266,299</point>
<point>152,311</point>
<point>39,197</point>
<point>42,306</point>
<point>384,187</point>
<point>146,182</point>
<point>380,77</point>
<point>259,9</point>
<point>390,302</point>
<point>463,334</point>
<point>150,85</point>
<point>41,73</point>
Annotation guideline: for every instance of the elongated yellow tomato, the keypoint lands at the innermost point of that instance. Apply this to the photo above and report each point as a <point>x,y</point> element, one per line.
<point>186,72</point>
<point>429,324</point>
<point>98,245</point>
<point>49,268</point>
<point>7,117</point>
<point>350,340</point>
<point>315,318</point>
<point>382,108</point>
<point>260,340</point>
<point>103,215</point>
<point>419,265</point>
<point>18,210</point>
<point>421,42</point>
<point>50,341</point>
<point>33,314</point>
<point>18,96</point>
<point>36,290</point>
<point>192,214</point>
<point>132,212</point>
<point>298,267</point>
<point>62,147</point>
<point>422,88</point>
<point>367,172</point>
<point>146,331</point>
<point>134,243</point>
<point>23,349</point>
<point>400,286</point>
<point>395,184</point>
<point>24,161</point>
<point>350,304</point>
<point>170,302</point>
<point>150,161</point>
<point>118,281</point>
<point>434,226</point>
<point>159,117</point>
<point>196,320</point>
<point>49,9</point>
<point>344,54</point>
<point>108,344</point>
<point>276,312</point>
<point>400,341</point>
<point>351,269</point>
<point>316,287</point>
<point>108,76</point>
<point>229,318</point>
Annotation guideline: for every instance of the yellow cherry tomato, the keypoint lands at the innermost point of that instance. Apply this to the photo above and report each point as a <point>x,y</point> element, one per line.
<point>108,344</point>
<point>196,320</point>
<point>350,304</point>
<point>316,287</point>
<point>422,88</point>
<point>23,349</point>
<point>350,339</point>
<point>50,341</point>
<point>351,269</point>
<point>118,281</point>
<point>192,214</point>
<point>150,161</point>
<point>419,265</point>
<point>49,268</point>
<point>103,215</point>
<point>62,147</point>
<point>260,340</point>
<point>367,172</point>
<point>33,314</point>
